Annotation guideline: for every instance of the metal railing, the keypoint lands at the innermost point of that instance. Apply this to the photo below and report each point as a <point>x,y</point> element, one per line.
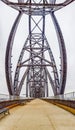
<point>66,96</point>
<point>5,97</point>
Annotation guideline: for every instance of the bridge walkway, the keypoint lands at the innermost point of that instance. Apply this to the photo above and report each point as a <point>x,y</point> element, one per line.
<point>38,115</point>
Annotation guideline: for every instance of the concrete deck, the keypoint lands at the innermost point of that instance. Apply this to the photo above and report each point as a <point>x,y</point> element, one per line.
<point>38,115</point>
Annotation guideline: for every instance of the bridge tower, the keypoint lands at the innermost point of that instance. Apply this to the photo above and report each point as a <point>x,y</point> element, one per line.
<point>37,68</point>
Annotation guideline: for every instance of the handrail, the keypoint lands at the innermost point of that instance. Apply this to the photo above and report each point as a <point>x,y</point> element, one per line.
<point>6,97</point>
<point>66,96</point>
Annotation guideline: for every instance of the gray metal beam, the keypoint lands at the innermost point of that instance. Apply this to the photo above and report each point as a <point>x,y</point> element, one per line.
<point>8,64</point>
<point>37,72</point>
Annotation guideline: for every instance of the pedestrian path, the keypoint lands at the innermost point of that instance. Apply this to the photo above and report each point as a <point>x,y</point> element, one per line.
<point>38,115</point>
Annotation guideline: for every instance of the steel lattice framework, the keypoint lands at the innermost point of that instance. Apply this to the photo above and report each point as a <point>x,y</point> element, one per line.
<point>36,73</point>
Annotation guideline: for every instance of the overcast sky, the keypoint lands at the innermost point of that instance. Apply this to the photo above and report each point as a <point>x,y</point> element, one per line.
<point>66,18</point>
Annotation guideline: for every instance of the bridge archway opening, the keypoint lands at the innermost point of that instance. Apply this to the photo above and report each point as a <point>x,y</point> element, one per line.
<point>37,67</point>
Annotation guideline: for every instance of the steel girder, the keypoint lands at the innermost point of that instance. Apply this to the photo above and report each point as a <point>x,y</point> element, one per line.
<point>8,56</point>
<point>62,53</point>
<point>37,67</point>
<point>37,72</point>
<point>20,5</point>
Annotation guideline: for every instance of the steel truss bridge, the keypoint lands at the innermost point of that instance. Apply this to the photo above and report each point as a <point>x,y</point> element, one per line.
<point>37,68</point>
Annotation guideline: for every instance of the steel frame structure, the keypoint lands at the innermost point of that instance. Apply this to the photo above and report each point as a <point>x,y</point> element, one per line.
<point>36,44</point>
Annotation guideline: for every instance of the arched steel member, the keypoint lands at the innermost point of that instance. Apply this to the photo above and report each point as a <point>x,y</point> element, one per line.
<point>8,64</point>
<point>36,60</point>
<point>46,48</point>
<point>63,71</point>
